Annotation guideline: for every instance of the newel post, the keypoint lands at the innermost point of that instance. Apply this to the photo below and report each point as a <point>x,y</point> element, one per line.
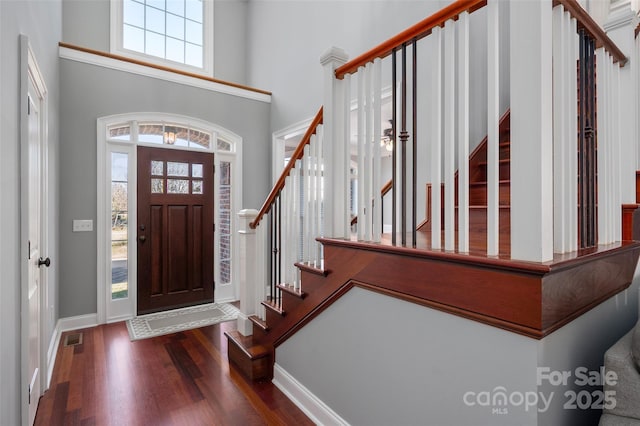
<point>531,130</point>
<point>336,162</point>
<point>248,270</point>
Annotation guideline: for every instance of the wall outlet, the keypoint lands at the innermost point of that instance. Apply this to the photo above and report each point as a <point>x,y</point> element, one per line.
<point>82,225</point>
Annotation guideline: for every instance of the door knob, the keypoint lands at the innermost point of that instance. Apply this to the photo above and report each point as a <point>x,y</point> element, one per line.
<point>46,262</point>
<point>142,238</point>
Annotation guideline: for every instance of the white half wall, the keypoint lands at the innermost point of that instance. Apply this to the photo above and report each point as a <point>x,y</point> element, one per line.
<point>373,359</point>
<point>378,360</point>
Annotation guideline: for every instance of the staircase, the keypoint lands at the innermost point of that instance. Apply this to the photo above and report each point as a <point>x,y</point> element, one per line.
<point>524,295</point>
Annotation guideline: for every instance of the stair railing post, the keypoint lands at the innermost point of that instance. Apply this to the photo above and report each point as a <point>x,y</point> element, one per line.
<point>248,280</point>
<point>336,163</point>
<point>531,131</point>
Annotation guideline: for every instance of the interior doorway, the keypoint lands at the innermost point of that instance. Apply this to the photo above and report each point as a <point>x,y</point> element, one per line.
<point>34,230</point>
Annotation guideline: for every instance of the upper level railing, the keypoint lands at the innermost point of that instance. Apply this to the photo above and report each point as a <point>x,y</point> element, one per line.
<point>585,22</point>
<point>417,127</point>
<point>587,213</point>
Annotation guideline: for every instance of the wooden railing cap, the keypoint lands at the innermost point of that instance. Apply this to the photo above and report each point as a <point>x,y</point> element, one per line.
<point>586,22</point>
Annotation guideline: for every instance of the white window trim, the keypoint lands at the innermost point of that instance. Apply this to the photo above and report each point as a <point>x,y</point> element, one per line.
<point>110,310</point>
<point>115,30</point>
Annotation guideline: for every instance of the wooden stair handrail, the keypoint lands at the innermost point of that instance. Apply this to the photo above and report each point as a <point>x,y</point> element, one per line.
<point>586,22</point>
<point>417,31</point>
<point>386,188</point>
<point>297,154</point>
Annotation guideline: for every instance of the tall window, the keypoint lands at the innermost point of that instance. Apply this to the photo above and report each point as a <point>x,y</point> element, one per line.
<point>177,33</point>
<point>119,225</point>
<point>224,209</point>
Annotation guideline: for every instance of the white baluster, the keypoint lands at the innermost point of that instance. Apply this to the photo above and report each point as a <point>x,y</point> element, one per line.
<point>293,238</point>
<point>571,135</point>
<point>368,138</point>
<point>463,132</point>
<point>449,134</point>
<point>563,74</point>
<point>436,140</point>
<point>346,111</point>
<point>603,138</point>
<point>610,169</point>
<point>377,133</point>
<point>493,133</point>
<point>313,204</point>
<point>295,223</point>
<point>617,161</point>
<point>306,233</point>
<point>361,155</point>
<point>320,179</point>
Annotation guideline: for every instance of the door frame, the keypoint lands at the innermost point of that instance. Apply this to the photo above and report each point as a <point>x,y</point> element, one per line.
<point>30,72</point>
<point>279,140</point>
<point>108,310</point>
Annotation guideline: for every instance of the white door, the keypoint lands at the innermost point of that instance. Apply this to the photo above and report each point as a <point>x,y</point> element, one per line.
<point>34,233</point>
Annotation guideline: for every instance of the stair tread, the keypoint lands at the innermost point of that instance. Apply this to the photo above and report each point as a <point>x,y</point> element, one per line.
<point>274,305</point>
<point>478,206</point>
<point>502,161</point>
<point>259,323</point>
<point>292,290</point>
<point>308,267</point>
<point>484,182</point>
<point>245,343</point>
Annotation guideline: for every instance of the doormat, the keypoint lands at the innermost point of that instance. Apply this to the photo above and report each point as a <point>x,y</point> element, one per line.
<point>160,323</point>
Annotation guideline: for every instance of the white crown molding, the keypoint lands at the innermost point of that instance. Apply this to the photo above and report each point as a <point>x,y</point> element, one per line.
<point>115,64</point>
<point>311,405</point>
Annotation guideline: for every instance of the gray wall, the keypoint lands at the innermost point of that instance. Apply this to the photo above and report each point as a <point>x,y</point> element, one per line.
<point>86,24</point>
<point>90,92</point>
<point>377,360</point>
<point>41,21</point>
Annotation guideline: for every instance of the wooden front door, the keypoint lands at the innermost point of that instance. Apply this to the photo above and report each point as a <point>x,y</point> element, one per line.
<point>175,229</point>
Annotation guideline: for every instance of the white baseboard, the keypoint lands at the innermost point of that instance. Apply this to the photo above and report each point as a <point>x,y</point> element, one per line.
<point>52,352</point>
<point>75,323</point>
<point>226,299</point>
<point>310,404</point>
<point>120,318</point>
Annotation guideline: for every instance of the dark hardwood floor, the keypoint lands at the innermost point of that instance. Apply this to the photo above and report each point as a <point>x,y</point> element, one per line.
<point>177,379</point>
